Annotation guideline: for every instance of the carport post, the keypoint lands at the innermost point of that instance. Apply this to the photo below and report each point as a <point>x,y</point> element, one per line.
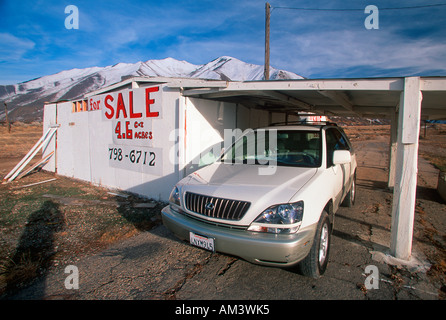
<point>404,194</point>
<point>393,146</point>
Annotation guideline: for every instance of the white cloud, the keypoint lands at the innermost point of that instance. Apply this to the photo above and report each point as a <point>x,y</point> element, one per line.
<point>200,51</point>
<point>13,48</point>
<point>315,53</point>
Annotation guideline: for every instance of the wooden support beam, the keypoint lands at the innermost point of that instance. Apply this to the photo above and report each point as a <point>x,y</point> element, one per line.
<point>433,84</point>
<point>404,195</point>
<point>338,97</point>
<point>196,83</point>
<point>207,93</point>
<point>391,84</point>
<point>341,99</point>
<point>40,163</point>
<point>287,99</point>
<point>393,147</point>
<point>28,157</point>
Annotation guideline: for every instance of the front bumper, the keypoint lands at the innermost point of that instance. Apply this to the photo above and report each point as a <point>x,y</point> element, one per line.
<point>260,248</point>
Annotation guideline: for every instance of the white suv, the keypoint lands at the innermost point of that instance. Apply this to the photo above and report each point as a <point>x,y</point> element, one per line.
<point>271,198</point>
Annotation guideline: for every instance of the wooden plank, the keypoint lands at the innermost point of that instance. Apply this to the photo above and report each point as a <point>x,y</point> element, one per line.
<point>39,163</point>
<point>36,183</point>
<point>30,152</point>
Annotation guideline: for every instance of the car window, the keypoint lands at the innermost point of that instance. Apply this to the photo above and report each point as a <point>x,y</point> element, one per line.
<point>342,143</point>
<point>286,147</point>
<point>335,141</point>
<point>345,140</point>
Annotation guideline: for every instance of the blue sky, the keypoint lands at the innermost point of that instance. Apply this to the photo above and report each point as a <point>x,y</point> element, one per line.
<point>315,44</point>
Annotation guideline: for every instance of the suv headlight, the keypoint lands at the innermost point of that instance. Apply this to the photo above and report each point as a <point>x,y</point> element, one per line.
<point>175,196</point>
<point>281,218</point>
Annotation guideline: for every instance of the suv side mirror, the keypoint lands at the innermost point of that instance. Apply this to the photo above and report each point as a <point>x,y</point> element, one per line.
<point>341,157</point>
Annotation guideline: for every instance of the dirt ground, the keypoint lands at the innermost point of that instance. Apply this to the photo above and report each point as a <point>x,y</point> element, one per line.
<point>58,221</point>
<point>430,210</point>
<point>61,220</point>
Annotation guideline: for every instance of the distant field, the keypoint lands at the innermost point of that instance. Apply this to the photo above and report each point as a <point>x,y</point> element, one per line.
<point>20,140</point>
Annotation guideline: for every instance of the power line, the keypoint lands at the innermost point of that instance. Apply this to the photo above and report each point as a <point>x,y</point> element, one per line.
<point>352,9</point>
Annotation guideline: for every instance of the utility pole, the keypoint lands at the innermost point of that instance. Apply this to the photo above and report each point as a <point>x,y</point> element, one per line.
<point>8,125</point>
<point>267,18</point>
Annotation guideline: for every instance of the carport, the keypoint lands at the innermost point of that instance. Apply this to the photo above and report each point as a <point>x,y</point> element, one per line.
<point>405,101</point>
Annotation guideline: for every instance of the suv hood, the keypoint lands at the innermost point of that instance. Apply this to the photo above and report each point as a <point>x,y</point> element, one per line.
<point>243,182</point>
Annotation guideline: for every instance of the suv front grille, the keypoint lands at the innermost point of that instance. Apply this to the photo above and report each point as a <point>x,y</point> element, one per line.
<point>216,207</point>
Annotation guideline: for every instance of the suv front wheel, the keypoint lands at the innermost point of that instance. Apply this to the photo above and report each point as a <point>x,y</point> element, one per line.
<point>315,264</point>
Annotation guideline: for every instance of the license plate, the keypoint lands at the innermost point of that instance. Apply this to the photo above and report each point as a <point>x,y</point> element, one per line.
<point>201,241</point>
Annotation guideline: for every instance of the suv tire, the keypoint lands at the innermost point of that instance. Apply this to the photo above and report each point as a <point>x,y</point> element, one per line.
<point>350,198</point>
<point>315,264</point>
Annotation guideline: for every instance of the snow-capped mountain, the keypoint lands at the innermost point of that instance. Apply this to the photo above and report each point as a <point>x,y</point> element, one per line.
<point>25,100</point>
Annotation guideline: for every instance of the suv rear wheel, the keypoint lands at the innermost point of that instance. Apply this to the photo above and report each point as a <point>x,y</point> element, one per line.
<point>349,200</point>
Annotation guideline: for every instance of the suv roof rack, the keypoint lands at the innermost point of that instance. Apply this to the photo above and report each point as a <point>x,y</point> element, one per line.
<point>305,122</point>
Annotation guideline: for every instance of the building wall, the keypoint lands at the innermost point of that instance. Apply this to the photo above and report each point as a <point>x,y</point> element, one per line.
<point>49,120</point>
<point>87,147</point>
<point>73,144</point>
<point>187,134</point>
<point>205,122</point>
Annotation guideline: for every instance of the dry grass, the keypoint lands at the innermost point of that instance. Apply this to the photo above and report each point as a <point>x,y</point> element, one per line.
<point>20,140</point>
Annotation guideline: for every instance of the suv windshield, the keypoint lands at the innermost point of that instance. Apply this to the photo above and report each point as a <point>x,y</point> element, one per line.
<point>285,147</point>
